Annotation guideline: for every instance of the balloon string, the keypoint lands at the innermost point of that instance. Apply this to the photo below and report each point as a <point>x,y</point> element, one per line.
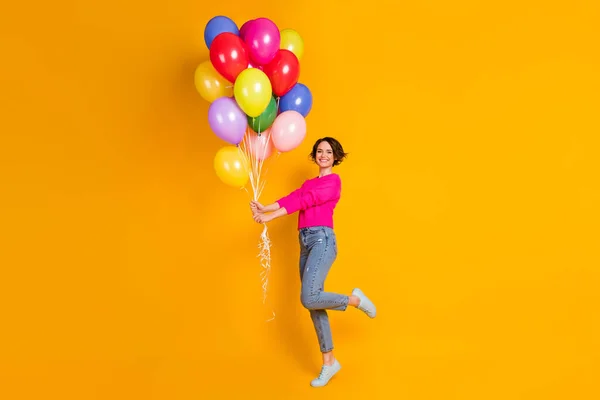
<point>254,152</point>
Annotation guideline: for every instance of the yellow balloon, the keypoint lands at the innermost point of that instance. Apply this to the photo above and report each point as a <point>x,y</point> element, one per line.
<point>231,166</point>
<point>292,41</point>
<point>210,84</point>
<point>252,91</point>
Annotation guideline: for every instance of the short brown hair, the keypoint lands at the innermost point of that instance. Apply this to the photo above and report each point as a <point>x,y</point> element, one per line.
<point>338,151</point>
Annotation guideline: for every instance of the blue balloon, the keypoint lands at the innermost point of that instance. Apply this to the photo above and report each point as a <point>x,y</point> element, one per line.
<point>297,99</point>
<point>217,25</point>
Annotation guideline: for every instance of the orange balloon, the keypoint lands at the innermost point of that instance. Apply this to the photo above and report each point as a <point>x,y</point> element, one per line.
<point>231,166</point>
<point>210,84</point>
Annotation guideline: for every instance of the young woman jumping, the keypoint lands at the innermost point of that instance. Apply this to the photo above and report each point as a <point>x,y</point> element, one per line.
<point>315,202</point>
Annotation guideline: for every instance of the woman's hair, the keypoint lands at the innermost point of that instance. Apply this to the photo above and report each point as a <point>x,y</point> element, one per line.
<point>338,151</point>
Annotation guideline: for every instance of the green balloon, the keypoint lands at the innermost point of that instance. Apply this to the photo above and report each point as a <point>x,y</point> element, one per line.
<point>264,120</point>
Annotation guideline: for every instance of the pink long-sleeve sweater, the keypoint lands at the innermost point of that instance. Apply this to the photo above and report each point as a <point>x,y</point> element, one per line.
<point>315,200</point>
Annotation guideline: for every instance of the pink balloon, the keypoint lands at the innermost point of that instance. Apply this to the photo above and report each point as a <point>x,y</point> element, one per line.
<point>260,147</point>
<point>288,130</point>
<point>263,39</point>
<point>244,28</point>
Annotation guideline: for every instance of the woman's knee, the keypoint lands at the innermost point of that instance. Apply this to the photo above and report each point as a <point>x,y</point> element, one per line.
<point>309,300</point>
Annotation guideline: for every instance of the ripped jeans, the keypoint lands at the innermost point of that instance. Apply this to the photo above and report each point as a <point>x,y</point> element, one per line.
<point>318,251</point>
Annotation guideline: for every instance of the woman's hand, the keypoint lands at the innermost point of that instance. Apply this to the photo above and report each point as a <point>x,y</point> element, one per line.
<point>267,216</point>
<point>261,218</point>
<point>256,207</point>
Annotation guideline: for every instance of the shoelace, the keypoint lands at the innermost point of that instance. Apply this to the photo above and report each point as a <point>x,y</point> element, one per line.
<point>324,371</point>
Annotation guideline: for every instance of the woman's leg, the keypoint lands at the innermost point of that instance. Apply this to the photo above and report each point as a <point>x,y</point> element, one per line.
<point>319,317</point>
<point>317,256</point>
<point>321,249</point>
<point>318,252</point>
<point>320,321</point>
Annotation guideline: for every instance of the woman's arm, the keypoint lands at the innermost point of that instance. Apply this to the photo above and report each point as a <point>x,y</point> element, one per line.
<point>258,207</point>
<point>262,218</point>
<point>298,200</point>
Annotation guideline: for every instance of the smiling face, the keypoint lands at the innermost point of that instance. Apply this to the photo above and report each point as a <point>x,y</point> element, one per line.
<point>327,153</point>
<point>324,156</point>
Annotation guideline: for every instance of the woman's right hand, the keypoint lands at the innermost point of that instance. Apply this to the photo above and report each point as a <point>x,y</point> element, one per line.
<point>256,207</point>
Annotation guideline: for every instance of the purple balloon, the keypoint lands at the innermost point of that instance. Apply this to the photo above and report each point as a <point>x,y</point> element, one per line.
<point>227,120</point>
<point>263,39</point>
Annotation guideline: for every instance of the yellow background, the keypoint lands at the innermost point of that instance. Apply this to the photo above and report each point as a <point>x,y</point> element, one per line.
<point>470,210</point>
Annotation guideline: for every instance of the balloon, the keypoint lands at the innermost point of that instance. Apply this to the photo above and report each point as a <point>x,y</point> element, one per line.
<point>299,98</point>
<point>231,166</point>
<point>244,29</point>
<point>288,131</point>
<point>259,147</point>
<point>252,65</point>
<point>227,120</point>
<point>263,39</point>
<point>291,40</point>
<point>252,91</point>
<point>265,119</point>
<point>283,71</point>
<point>216,26</point>
<point>210,84</point>
<point>229,55</point>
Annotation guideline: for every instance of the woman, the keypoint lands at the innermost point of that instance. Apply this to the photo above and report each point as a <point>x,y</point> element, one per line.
<point>315,201</point>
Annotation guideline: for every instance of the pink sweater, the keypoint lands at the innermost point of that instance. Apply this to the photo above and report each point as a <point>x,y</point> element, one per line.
<point>315,199</point>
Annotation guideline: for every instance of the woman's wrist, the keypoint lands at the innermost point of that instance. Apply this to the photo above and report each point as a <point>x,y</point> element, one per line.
<point>272,207</point>
<point>280,212</point>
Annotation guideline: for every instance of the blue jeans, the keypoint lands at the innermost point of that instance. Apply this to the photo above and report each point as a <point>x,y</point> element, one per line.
<point>318,250</point>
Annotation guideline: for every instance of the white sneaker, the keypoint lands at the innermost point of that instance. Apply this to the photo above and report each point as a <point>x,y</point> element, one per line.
<point>365,304</point>
<point>327,372</point>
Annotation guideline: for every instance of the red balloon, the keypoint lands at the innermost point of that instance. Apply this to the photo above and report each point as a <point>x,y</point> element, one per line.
<point>252,65</point>
<point>283,71</point>
<point>229,55</point>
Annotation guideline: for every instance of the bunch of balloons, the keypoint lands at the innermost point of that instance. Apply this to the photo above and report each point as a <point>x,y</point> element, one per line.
<point>256,100</point>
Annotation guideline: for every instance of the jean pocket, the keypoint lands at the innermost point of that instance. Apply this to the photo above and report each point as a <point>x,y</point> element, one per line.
<point>315,236</point>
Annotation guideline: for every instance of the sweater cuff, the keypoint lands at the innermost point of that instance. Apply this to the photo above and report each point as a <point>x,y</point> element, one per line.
<point>290,205</point>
